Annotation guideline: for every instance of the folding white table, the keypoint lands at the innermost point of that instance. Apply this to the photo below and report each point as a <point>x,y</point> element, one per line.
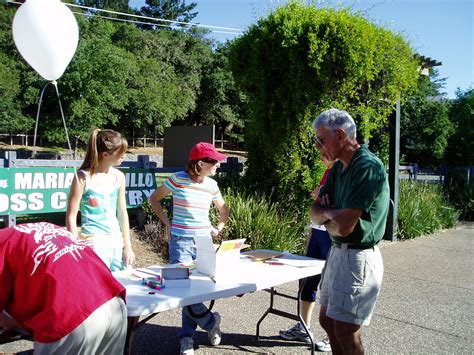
<point>247,276</point>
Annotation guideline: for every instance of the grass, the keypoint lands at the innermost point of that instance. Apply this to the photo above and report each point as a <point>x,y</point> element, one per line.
<point>423,209</point>
<point>264,225</point>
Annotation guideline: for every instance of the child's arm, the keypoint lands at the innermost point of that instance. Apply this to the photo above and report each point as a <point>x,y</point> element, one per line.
<point>155,199</point>
<point>223,216</point>
<point>124,223</point>
<point>75,195</point>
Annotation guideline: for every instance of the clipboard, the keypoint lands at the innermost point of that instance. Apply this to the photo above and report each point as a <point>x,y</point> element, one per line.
<point>263,255</point>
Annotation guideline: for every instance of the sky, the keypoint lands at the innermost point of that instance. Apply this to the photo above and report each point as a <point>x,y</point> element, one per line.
<point>442,30</point>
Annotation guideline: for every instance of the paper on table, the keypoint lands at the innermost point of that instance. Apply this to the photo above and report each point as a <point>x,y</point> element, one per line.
<point>261,255</point>
<point>231,245</point>
<point>296,260</point>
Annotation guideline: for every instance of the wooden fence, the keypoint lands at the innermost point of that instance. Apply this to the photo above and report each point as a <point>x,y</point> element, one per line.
<point>440,174</point>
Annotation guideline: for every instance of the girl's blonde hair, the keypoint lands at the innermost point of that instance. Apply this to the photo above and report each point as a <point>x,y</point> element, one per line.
<point>102,141</point>
<point>194,169</point>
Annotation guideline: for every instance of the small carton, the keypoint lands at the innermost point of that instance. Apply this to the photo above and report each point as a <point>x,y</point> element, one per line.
<point>217,260</point>
<point>175,277</point>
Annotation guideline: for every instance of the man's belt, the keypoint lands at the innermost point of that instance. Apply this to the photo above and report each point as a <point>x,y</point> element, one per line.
<point>353,246</point>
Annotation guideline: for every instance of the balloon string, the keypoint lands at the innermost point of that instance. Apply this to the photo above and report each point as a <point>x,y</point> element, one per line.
<point>55,84</point>
<point>62,115</point>
<point>33,154</point>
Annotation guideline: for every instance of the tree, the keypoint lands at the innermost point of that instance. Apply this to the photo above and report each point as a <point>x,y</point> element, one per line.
<point>167,84</point>
<point>460,150</point>
<point>219,102</point>
<point>12,73</point>
<point>176,10</point>
<point>116,5</point>
<point>302,60</point>
<point>11,118</point>
<point>425,126</point>
<point>121,77</point>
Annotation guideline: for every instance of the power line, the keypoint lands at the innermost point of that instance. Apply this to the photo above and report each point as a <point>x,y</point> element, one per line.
<point>217,29</point>
<point>141,22</point>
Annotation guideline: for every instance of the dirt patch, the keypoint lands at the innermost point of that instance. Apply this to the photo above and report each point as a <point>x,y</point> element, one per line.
<point>144,253</point>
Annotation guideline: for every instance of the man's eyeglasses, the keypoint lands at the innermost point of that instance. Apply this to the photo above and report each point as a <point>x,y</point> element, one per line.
<point>210,161</point>
<point>320,141</point>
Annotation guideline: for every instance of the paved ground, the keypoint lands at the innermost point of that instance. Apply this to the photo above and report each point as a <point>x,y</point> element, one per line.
<point>426,306</point>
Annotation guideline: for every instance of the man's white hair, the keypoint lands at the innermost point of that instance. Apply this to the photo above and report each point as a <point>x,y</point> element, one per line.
<point>333,119</point>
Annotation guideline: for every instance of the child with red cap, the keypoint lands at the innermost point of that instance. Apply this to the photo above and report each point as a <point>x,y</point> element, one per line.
<point>193,192</point>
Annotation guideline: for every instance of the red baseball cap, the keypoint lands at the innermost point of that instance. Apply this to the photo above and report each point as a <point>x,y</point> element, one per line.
<point>205,150</point>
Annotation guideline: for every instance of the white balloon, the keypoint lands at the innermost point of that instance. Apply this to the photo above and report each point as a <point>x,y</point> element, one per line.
<point>46,35</point>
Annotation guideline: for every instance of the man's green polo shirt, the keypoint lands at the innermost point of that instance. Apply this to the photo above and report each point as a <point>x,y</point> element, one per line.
<point>362,185</point>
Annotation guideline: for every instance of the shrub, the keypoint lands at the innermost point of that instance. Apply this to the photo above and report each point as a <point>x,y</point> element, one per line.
<point>264,224</point>
<point>423,209</point>
<point>461,193</point>
<point>299,61</point>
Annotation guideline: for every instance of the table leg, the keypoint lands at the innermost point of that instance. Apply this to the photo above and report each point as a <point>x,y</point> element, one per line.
<point>301,284</point>
<point>284,314</point>
<point>131,326</point>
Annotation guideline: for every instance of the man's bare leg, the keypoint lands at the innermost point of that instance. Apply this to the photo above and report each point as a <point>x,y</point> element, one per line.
<point>328,325</point>
<point>348,336</point>
<point>344,337</point>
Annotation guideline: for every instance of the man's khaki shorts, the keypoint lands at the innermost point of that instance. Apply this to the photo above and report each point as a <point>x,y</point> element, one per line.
<point>350,283</point>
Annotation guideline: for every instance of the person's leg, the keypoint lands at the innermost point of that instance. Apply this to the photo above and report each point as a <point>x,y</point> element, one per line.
<point>115,337</point>
<point>181,249</point>
<point>328,325</point>
<point>324,293</point>
<point>353,290</point>
<point>308,293</point>
<point>199,314</point>
<point>348,338</point>
<point>323,241</point>
<point>307,299</point>
<point>110,249</point>
<point>307,312</point>
<point>117,262</point>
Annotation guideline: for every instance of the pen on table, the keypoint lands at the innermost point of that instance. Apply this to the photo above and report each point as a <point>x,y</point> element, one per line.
<point>212,278</point>
<point>274,263</point>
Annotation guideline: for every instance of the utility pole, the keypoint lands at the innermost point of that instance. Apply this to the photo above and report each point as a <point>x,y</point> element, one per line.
<point>391,229</point>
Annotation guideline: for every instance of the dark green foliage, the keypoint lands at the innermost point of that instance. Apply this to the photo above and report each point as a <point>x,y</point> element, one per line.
<point>116,5</point>
<point>460,150</point>
<point>121,77</point>
<point>264,225</point>
<point>425,126</point>
<point>219,102</point>
<point>302,60</point>
<point>169,9</point>
<point>12,119</point>
<point>460,190</point>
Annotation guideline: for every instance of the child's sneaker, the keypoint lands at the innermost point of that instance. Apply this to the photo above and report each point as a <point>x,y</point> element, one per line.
<point>215,333</point>
<point>187,346</point>
<point>323,345</point>
<point>296,332</point>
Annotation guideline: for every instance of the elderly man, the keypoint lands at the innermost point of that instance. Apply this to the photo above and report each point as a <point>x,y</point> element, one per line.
<point>353,205</point>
